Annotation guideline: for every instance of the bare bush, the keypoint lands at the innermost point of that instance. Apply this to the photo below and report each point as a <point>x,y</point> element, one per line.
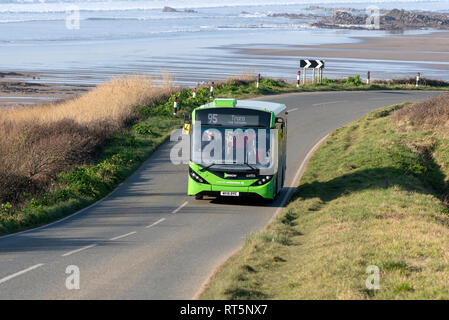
<point>412,81</point>
<point>430,114</point>
<point>244,77</point>
<point>32,154</point>
<point>39,142</point>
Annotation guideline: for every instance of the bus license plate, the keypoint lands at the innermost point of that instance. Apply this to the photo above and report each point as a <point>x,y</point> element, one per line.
<point>229,194</point>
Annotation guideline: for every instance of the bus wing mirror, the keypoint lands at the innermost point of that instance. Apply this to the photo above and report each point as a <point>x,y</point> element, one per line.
<point>186,129</point>
<point>281,121</point>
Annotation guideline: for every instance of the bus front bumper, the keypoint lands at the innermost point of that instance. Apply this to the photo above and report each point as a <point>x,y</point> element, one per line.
<point>200,189</point>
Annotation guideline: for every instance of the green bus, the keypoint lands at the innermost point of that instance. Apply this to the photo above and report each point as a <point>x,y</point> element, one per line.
<point>237,149</point>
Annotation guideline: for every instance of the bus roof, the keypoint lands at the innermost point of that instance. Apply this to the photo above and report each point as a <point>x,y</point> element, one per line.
<point>274,107</point>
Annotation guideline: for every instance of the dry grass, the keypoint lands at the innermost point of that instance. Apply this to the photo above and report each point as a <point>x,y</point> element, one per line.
<point>246,76</point>
<point>39,142</point>
<point>429,114</point>
<point>112,100</point>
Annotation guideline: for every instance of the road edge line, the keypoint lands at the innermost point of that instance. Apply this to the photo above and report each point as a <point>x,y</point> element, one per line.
<point>63,218</point>
<point>287,196</point>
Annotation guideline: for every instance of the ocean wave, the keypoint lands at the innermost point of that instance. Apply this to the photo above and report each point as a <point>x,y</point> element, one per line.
<point>44,6</point>
<point>118,18</point>
<point>28,20</point>
<point>253,15</point>
<point>86,37</point>
<point>256,26</point>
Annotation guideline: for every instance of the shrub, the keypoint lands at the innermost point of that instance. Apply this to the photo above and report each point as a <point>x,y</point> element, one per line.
<point>327,81</point>
<point>431,113</point>
<point>353,80</point>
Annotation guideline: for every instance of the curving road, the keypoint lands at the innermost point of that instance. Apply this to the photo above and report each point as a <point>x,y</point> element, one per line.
<point>148,240</point>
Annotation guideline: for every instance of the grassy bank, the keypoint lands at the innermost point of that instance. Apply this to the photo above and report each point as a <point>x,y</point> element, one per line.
<point>375,193</point>
<point>356,83</point>
<point>58,158</point>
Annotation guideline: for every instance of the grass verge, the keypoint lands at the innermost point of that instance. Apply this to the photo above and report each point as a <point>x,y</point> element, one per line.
<point>375,193</point>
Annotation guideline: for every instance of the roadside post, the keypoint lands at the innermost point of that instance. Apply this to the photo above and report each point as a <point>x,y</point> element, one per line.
<point>368,78</point>
<point>212,85</point>
<point>321,74</point>
<point>194,93</point>
<point>417,79</point>
<point>316,65</point>
<point>298,79</point>
<point>258,81</point>
<point>175,106</point>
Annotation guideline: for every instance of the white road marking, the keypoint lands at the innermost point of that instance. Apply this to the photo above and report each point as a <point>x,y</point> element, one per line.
<point>123,236</point>
<point>325,103</point>
<point>20,272</point>
<point>294,109</point>
<point>157,222</point>
<point>78,250</point>
<point>180,207</point>
<point>287,196</point>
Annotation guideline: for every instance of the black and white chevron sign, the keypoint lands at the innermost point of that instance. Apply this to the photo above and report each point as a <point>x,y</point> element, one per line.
<point>318,64</point>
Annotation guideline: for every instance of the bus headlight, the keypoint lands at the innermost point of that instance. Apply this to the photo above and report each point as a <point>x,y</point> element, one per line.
<point>262,181</point>
<point>196,177</point>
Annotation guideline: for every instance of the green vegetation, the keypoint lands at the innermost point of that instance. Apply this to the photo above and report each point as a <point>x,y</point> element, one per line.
<point>356,83</point>
<point>375,193</point>
<point>59,158</point>
<point>82,185</point>
<point>353,80</point>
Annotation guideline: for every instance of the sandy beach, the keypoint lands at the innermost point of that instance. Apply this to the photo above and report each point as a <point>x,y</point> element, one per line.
<point>424,47</point>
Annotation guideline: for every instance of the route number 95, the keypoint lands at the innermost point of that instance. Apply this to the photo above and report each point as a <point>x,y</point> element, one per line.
<point>212,118</point>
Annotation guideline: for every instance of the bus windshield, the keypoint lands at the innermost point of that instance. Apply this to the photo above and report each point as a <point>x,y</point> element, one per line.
<point>236,149</point>
<point>245,148</point>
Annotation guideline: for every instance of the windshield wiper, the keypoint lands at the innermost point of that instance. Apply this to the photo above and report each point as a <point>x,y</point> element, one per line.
<point>247,164</point>
<point>207,167</point>
<point>260,126</point>
<point>212,125</point>
<point>213,164</point>
<point>250,166</point>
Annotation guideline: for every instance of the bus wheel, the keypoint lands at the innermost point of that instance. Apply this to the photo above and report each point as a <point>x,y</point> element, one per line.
<point>198,197</point>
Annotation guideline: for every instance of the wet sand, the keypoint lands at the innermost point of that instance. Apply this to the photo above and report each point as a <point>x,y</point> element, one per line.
<point>427,48</point>
<point>21,89</point>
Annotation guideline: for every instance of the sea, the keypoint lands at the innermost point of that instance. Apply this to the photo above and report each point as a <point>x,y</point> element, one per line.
<point>82,41</point>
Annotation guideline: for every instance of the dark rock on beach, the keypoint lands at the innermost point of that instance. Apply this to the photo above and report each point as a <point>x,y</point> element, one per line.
<point>390,20</point>
<point>170,9</point>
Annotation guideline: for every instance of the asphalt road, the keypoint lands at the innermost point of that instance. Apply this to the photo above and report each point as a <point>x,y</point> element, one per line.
<point>149,240</point>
